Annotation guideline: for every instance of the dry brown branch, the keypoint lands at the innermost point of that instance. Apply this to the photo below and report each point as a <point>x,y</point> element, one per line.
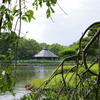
<point>79,78</point>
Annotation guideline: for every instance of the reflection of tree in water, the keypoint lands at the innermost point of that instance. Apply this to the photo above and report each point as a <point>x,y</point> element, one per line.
<point>27,74</point>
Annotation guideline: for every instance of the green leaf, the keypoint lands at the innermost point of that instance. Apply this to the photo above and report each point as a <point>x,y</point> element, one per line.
<point>7,16</point>
<point>14,8</point>
<point>48,4</point>
<point>29,15</point>
<point>4,88</point>
<point>40,3</point>
<point>2,56</point>
<point>35,4</point>
<point>2,9</point>
<point>15,11</point>
<point>52,10</point>
<point>9,1</point>
<point>13,94</point>
<point>44,0</point>
<point>54,2</point>
<point>24,18</point>
<point>48,13</point>
<point>10,25</point>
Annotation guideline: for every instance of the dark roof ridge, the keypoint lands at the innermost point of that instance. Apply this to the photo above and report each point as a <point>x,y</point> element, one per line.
<point>45,48</point>
<point>45,53</point>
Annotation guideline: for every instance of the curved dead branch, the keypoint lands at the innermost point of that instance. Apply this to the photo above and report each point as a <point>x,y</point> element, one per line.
<point>79,77</point>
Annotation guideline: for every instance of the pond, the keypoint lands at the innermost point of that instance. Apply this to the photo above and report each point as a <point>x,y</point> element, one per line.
<point>24,75</point>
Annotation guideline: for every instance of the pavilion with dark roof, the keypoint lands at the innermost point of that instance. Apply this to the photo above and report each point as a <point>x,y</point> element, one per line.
<point>45,54</point>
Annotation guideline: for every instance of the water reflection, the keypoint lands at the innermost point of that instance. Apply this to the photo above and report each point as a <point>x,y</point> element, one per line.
<point>24,75</point>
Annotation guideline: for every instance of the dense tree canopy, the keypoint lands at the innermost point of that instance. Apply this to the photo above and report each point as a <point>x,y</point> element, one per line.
<point>27,48</point>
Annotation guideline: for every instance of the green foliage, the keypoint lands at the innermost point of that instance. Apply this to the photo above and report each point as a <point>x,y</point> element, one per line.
<point>49,4</point>
<point>28,16</point>
<point>93,30</point>
<point>29,96</point>
<point>9,39</point>
<point>8,18</point>
<point>85,90</point>
<point>56,48</point>
<point>68,52</point>
<point>7,43</point>
<point>92,52</point>
<point>56,82</point>
<point>66,68</point>
<point>49,95</point>
<point>27,48</point>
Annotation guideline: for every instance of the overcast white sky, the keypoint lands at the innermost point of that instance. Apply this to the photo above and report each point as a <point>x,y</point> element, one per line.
<point>65,29</point>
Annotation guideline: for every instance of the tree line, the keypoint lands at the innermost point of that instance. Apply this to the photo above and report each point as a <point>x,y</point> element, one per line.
<point>27,48</point>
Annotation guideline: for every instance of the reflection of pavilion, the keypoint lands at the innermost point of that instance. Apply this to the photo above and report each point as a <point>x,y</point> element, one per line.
<point>45,54</point>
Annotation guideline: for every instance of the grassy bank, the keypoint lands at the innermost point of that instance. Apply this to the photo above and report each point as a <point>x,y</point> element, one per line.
<point>34,62</point>
<point>77,86</point>
<point>56,80</point>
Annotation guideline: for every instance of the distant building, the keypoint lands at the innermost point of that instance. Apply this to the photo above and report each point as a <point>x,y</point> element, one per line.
<point>45,54</point>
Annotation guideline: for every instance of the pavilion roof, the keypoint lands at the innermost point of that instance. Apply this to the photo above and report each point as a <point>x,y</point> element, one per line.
<point>45,53</point>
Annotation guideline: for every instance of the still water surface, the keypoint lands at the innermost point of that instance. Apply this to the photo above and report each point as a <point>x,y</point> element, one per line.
<point>25,74</point>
